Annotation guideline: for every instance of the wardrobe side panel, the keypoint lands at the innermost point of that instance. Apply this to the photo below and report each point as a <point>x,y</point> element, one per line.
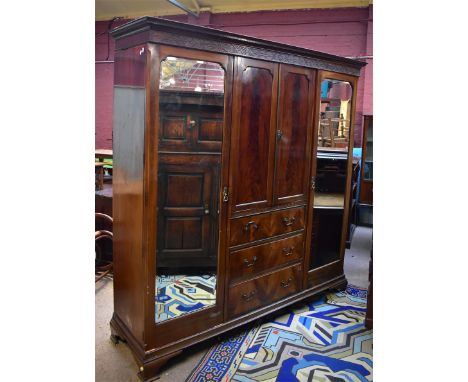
<point>128,197</point>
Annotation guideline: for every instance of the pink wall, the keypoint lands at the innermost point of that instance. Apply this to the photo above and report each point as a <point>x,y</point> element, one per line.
<point>342,31</point>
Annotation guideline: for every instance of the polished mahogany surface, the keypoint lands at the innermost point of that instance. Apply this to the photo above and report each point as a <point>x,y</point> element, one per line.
<point>249,295</point>
<point>255,227</point>
<point>294,133</point>
<point>251,261</point>
<point>254,132</point>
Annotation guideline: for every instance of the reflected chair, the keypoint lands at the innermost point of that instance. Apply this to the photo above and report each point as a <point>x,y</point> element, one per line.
<point>99,175</point>
<point>326,132</point>
<point>103,245</point>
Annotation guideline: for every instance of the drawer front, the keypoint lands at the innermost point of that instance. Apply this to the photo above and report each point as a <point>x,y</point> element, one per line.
<point>287,220</point>
<point>250,228</point>
<point>250,261</point>
<point>264,290</point>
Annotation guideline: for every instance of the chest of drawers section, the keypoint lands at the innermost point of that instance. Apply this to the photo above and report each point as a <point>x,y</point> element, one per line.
<point>265,259</point>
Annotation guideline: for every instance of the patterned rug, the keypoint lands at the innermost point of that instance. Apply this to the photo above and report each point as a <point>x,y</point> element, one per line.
<point>322,341</point>
<point>180,294</point>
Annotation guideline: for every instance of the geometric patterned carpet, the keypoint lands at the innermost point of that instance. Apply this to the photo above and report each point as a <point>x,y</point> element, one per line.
<point>322,341</point>
<point>181,294</point>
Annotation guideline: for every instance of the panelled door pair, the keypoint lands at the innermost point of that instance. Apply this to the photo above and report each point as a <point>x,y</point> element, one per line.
<point>272,134</point>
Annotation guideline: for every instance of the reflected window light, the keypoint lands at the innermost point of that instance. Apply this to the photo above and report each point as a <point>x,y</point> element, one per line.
<point>198,89</point>
<point>201,62</point>
<point>172,81</point>
<point>172,59</point>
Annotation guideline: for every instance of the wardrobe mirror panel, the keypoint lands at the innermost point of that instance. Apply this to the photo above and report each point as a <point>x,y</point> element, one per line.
<point>331,169</point>
<point>191,113</point>
<point>335,115</point>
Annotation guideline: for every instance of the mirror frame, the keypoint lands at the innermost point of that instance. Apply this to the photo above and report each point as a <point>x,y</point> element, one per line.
<point>211,316</point>
<point>313,277</point>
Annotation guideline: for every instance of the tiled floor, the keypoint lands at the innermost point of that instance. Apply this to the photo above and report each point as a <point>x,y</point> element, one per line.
<point>115,363</point>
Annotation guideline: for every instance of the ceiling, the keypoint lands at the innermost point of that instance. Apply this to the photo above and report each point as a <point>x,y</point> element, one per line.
<point>108,9</point>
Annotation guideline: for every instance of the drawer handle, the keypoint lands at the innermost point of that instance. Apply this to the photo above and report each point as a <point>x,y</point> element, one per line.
<point>248,263</point>
<point>250,223</point>
<point>288,251</point>
<point>289,221</point>
<point>286,283</point>
<point>249,296</point>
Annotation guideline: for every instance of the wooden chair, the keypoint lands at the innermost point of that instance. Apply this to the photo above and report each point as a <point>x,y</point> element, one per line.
<point>99,175</point>
<point>103,245</point>
<point>326,132</point>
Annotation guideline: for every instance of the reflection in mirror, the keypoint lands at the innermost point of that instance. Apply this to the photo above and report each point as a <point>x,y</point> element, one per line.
<point>335,114</point>
<point>330,178</point>
<point>328,208</point>
<point>191,110</point>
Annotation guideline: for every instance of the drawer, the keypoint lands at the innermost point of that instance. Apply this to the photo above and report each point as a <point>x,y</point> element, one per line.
<point>264,290</point>
<point>250,261</point>
<point>285,221</point>
<point>256,227</point>
<point>250,228</point>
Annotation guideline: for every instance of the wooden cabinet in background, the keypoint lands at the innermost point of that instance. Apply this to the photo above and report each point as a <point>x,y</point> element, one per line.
<point>224,211</point>
<point>367,168</point>
<point>365,209</point>
<point>353,206</point>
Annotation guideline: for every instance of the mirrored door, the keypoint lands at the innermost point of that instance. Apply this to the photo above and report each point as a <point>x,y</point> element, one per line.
<point>191,114</point>
<point>331,169</point>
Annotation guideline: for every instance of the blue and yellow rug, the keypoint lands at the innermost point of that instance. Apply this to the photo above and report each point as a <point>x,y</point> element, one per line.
<point>323,341</point>
<point>182,294</point>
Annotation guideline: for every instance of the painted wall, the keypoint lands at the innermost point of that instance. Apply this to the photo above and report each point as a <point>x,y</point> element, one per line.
<point>342,31</point>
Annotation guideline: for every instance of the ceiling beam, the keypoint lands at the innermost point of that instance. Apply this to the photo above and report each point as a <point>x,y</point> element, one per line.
<point>185,8</point>
<point>196,5</point>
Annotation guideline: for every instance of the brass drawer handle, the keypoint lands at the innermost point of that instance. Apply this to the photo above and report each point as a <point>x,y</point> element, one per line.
<point>248,263</point>
<point>286,283</point>
<point>249,296</point>
<point>288,251</point>
<point>289,221</point>
<point>250,223</point>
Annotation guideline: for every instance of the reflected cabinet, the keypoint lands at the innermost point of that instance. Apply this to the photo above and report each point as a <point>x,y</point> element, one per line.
<point>232,162</point>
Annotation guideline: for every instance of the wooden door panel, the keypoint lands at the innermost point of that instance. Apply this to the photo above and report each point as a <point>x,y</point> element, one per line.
<point>173,131</point>
<point>190,129</point>
<point>254,117</point>
<point>294,132</point>
<point>208,132</point>
<point>174,127</point>
<point>187,214</point>
<point>184,190</point>
<point>183,233</point>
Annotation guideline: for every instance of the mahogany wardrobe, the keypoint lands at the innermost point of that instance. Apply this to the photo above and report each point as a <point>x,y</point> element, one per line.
<point>231,181</point>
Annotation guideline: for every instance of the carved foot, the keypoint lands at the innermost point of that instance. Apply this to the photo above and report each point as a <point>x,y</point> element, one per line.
<point>114,337</point>
<point>151,370</point>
